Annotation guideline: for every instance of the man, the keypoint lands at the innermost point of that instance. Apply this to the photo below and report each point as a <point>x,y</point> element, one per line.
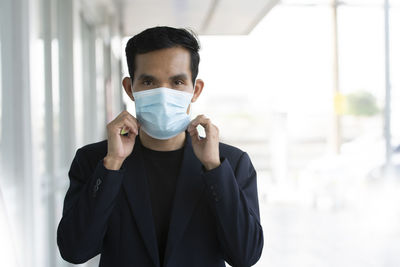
<point>161,195</point>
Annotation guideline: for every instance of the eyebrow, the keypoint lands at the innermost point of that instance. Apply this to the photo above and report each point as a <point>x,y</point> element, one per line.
<point>145,76</point>
<point>181,76</point>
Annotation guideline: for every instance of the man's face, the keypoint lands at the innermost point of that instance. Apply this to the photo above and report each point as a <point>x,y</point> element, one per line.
<point>169,67</point>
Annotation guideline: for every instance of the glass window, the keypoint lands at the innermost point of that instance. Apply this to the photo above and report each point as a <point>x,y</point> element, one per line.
<point>89,122</point>
<point>1,85</point>
<point>40,173</point>
<point>394,28</point>
<point>270,93</point>
<point>361,73</point>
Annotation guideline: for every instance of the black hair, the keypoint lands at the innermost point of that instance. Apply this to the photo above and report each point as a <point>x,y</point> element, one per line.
<point>163,37</point>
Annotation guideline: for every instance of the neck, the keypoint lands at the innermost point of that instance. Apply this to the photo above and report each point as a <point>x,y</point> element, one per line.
<point>173,143</point>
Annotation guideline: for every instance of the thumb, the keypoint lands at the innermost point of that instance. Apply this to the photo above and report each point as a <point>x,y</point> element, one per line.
<point>195,138</point>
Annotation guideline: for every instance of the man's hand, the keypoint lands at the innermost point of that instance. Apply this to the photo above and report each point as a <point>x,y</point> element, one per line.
<point>207,149</point>
<point>120,146</point>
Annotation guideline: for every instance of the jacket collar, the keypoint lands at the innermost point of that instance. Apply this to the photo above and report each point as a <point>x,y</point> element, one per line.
<point>189,188</point>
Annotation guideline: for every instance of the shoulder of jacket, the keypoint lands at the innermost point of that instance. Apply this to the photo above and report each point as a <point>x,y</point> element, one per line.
<point>232,153</point>
<point>95,150</point>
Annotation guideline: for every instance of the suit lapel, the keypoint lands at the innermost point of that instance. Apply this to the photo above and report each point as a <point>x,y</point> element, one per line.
<point>188,190</point>
<point>137,191</point>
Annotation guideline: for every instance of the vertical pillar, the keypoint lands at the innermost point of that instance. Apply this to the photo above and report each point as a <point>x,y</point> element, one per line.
<point>16,146</point>
<point>387,113</point>
<point>51,224</point>
<point>89,82</point>
<point>67,131</point>
<point>336,126</point>
<point>66,78</point>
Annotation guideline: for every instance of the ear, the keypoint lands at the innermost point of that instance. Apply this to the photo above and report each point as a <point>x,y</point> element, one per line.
<point>126,83</point>
<point>198,88</point>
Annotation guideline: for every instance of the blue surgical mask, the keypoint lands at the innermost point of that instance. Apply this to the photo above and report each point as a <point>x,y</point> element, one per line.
<point>162,111</point>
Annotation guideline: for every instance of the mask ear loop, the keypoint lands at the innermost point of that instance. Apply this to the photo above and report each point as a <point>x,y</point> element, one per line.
<point>190,104</point>
<point>190,108</point>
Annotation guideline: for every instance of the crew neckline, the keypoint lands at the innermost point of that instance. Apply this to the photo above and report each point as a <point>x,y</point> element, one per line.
<point>162,154</point>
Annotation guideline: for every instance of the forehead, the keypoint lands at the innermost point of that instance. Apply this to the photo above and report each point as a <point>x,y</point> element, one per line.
<point>167,61</point>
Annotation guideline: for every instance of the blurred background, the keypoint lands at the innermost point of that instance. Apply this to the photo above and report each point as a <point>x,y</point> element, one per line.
<point>309,88</point>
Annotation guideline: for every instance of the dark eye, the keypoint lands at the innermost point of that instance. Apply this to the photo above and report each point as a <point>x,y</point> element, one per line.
<point>147,82</point>
<point>179,82</point>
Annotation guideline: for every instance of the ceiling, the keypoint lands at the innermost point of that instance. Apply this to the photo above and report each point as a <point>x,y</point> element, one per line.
<point>205,17</point>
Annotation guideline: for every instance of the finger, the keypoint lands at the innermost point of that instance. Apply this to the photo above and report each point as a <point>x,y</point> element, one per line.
<point>202,120</point>
<point>125,126</point>
<point>196,120</point>
<point>125,114</point>
<point>194,135</point>
<point>129,125</point>
<point>119,121</point>
<point>134,121</point>
<point>122,114</point>
<point>192,124</point>
<point>193,131</point>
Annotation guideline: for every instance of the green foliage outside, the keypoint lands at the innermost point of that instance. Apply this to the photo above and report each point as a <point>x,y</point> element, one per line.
<point>361,104</point>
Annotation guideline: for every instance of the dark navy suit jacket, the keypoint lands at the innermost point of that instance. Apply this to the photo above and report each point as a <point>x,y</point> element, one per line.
<point>215,215</point>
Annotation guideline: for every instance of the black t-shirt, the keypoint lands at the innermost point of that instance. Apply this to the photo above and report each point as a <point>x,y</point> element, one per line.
<point>162,168</point>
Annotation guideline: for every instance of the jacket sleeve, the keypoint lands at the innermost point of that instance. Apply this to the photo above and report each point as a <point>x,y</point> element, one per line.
<point>88,204</point>
<point>234,201</point>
